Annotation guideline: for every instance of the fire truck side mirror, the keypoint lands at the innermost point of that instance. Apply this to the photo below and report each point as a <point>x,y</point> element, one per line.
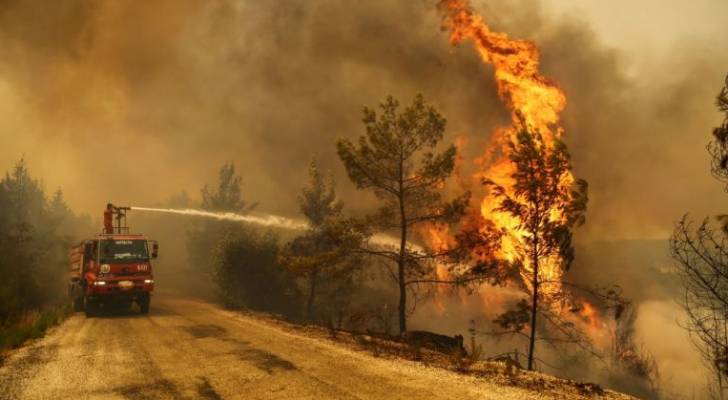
<point>155,249</point>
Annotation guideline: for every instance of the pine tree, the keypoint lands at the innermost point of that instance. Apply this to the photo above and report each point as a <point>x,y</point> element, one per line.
<point>325,256</point>
<point>203,236</point>
<point>396,160</point>
<point>700,252</point>
<point>546,208</point>
<point>227,196</point>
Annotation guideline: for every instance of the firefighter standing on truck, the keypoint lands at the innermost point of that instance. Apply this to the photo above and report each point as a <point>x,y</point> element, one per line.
<point>109,218</point>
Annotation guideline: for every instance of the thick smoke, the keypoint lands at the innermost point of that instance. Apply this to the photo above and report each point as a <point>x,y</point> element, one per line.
<point>154,99</point>
<point>131,102</point>
<point>135,101</point>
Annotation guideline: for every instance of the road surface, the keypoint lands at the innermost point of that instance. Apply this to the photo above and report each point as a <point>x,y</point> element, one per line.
<point>186,349</point>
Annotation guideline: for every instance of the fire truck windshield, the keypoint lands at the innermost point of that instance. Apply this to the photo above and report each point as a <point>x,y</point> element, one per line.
<point>124,251</point>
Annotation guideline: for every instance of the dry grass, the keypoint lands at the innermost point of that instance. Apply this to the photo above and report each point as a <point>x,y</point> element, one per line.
<point>32,325</point>
<point>498,372</point>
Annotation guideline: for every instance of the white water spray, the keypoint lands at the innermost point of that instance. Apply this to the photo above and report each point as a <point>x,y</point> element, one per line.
<point>267,220</point>
<point>262,220</point>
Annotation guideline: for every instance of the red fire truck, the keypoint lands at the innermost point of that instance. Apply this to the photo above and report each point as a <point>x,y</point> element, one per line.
<point>113,268</point>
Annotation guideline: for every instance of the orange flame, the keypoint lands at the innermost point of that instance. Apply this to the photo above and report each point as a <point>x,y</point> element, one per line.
<point>532,99</point>
<point>535,103</point>
<point>524,90</point>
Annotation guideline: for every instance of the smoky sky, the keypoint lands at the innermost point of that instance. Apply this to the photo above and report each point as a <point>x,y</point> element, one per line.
<point>133,102</point>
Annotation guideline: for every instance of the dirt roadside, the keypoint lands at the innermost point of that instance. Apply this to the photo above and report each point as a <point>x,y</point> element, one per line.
<point>188,349</point>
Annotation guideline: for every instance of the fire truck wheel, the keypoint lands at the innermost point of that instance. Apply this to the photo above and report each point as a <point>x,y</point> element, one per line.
<point>78,304</point>
<point>144,304</point>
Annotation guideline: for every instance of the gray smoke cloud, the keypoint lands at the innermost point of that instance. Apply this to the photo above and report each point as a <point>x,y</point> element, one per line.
<point>135,101</point>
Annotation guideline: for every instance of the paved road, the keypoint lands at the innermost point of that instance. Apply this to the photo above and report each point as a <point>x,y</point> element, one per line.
<point>186,349</point>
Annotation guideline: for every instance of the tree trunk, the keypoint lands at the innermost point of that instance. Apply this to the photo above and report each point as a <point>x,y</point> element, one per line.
<point>720,386</point>
<point>402,299</point>
<point>311,295</point>
<point>534,308</point>
<point>401,262</point>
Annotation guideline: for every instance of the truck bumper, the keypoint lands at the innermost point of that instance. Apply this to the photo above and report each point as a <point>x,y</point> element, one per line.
<point>118,296</point>
<point>115,293</point>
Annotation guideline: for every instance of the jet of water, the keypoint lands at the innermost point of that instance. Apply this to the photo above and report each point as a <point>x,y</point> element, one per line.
<point>268,220</point>
<point>262,220</point>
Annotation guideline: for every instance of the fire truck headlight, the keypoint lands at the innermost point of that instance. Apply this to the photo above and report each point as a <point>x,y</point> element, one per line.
<point>99,283</point>
<point>105,268</point>
<point>149,281</point>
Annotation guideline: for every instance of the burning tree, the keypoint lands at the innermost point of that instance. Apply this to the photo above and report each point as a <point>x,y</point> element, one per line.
<point>546,206</point>
<point>397,162</point>
<point>526,220</point>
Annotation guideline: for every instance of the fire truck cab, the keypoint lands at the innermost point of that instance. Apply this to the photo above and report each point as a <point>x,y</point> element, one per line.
<point>113,268</point>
